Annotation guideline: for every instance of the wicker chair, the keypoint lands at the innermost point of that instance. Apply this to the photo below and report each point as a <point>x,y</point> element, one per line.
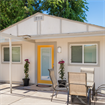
<point>100,93</point>
<point>90,79</point>
<point>78,88</point>
<point>54,84</point>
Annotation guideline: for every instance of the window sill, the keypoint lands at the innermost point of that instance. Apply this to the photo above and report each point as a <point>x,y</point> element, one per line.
<point>97,65</point>
<point>12,62</point>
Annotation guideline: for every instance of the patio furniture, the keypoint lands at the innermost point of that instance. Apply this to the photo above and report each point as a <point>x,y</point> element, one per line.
<point>78,88</point>
<point>54,84</point>
<point>90,79</point>
<point>100,93</point>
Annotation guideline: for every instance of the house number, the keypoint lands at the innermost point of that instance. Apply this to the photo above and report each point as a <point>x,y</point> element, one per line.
<point>38,18</point>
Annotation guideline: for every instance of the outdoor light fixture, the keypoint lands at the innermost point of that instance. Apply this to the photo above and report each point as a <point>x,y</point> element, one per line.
<point>26,36</point>
<point>59,49</point>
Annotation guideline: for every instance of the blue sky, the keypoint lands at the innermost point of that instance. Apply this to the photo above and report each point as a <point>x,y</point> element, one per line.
<point>96,13</point>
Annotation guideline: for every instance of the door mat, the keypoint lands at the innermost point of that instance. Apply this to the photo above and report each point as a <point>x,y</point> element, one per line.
<point>35,88</point>
<point>43,86</point>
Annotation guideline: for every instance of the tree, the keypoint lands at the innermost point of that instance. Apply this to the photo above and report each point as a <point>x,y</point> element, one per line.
<point>12,11</point>
<point>71,9</point>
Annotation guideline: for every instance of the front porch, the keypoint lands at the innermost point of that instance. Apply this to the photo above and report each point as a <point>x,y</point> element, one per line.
<point>32,97</point>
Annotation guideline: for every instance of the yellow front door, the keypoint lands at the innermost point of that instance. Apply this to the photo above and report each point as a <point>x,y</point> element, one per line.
<point>45,61</point>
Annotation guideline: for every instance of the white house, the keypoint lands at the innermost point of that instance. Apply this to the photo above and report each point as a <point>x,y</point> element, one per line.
<point>82,45</point>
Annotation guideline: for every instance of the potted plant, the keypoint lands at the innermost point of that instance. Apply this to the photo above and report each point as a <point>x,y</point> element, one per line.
<point>26,71</point>
<point>61,73</point>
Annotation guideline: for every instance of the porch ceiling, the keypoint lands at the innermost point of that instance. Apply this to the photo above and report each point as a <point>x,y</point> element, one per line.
<point>15,38</point>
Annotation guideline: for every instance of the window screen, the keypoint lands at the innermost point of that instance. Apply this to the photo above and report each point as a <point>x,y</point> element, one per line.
<point>89,53</point>
<point>6,54</point>
<point>76,54</point>
<point>15,54</point>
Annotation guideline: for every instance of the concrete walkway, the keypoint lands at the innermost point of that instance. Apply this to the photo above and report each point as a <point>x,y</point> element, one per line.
<point>28,97</point>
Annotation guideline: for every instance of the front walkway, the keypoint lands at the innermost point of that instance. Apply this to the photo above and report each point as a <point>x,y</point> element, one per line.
<point>28,97</point>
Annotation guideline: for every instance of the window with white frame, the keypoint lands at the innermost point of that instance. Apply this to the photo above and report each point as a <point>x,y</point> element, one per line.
<point>83,54</point>
<point>16,54</point>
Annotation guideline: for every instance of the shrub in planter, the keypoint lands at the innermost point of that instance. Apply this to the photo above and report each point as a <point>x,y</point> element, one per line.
<point>61,74</point>
<point>26,71</point>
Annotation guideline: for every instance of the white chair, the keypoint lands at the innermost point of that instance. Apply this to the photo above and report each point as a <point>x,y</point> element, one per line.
<point>90,78</point>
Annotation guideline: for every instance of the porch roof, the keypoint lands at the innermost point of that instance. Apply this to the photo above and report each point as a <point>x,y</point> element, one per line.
<point>51,36</point>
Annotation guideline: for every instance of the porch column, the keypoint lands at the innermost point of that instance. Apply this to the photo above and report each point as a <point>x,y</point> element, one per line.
<point>10,64</point>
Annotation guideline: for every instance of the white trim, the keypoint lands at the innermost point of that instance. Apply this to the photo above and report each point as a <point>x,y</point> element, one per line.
<point>83,54</point>
<point>8,61</point>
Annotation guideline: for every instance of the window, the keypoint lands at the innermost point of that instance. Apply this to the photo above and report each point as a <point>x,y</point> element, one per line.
<point>16,54</point>
<point>83,54</point>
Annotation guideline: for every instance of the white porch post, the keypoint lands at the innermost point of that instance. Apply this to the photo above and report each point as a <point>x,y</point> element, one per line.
<point>10,64</point>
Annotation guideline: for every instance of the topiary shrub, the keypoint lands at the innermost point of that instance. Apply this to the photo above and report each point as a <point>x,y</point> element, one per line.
<point>61,72</point>
<point>26,68</point>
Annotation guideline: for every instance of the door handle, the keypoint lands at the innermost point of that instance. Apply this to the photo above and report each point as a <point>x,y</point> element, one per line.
<point>53,66</point>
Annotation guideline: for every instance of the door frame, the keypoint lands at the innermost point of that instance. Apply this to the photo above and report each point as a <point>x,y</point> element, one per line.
<point>55,57</point>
